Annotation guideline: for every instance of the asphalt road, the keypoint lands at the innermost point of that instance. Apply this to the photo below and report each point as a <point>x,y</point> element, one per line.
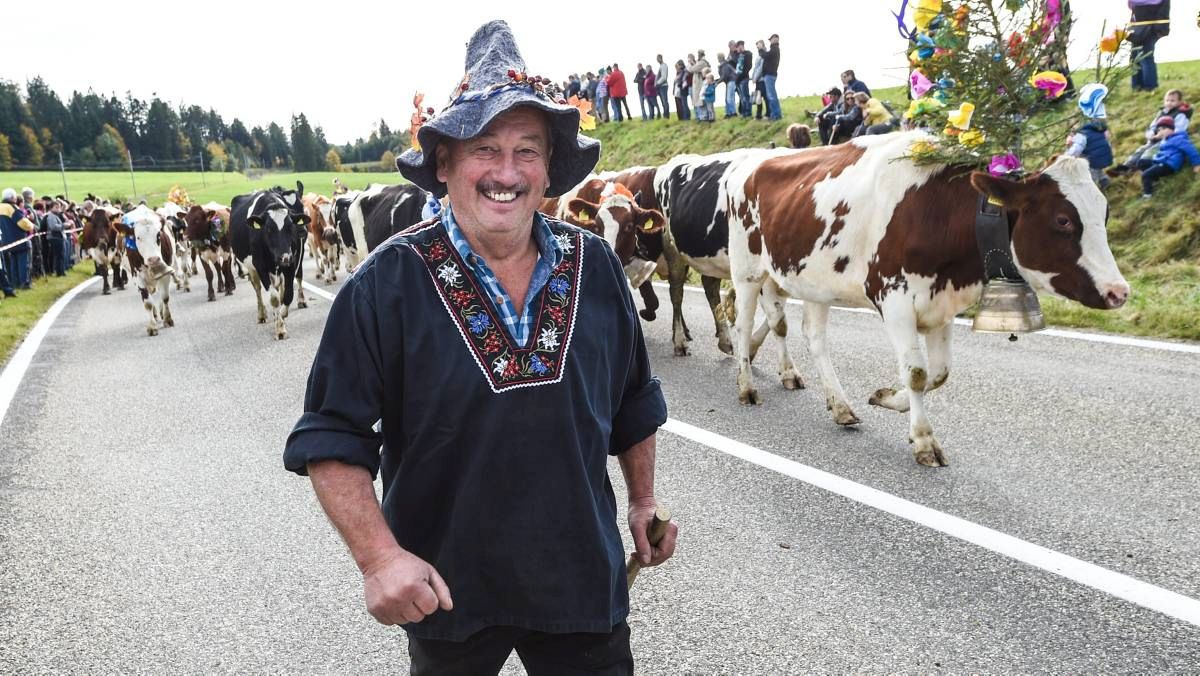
<point>147,524</point>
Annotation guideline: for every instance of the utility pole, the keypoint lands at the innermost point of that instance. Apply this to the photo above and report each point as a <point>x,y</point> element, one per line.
<point>132,182</point>
<point>62,170</point>
<point>202,181</point>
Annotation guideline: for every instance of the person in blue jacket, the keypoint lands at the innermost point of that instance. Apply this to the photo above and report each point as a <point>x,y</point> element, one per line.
<point>1176,148</point>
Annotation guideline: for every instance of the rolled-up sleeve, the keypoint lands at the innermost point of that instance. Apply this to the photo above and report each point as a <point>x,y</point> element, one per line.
<point>344,398</point>
<point>643,407</point>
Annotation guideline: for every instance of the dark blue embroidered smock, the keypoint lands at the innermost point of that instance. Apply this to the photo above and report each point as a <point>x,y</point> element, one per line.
<point>494,458</point>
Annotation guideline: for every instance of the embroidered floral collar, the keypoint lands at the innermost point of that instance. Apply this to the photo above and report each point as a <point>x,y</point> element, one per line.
<point>504,365</point>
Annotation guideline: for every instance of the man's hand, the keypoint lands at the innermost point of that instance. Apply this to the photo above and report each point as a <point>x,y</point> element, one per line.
<point>403,588</point>
<point>641,515</point>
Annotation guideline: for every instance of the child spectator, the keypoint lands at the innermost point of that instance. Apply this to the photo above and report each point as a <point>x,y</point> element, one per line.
<point>1175,149</point>
<point>799,135</point>
<point>1173,107</point>
<point>1093,140</point>
<point>708,109</point>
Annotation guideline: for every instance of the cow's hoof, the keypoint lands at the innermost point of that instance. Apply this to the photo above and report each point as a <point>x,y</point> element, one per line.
<point>792,381</point>
<point>300,305</point>
<point>749,397</point>
<point>169,321</point>
<point>262,320</point>
<point>648,314</point>
<point>681,351</point>
<point>106,292</point>
<point>725,345</point>
<point>929,453</point>
<point>228,293</point>
<point>280,335</point>
<point>151,331</point>
<point>211,296</point>
<point>844,416</point>
<point>886,397</point>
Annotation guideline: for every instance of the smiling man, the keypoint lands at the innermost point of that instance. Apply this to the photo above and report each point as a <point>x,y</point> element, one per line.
<point>501,356</point>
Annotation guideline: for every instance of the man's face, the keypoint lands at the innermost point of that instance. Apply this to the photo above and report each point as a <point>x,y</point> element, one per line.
<point>1170,101</point>
<point>845,78</point>
<point>775,39</point>
<point>497,180</point>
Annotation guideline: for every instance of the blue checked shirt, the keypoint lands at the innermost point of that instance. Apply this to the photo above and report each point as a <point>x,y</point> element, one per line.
<point>549,256</point>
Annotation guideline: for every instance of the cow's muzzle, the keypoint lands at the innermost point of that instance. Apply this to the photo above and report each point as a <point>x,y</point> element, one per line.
<point>1116,294</point>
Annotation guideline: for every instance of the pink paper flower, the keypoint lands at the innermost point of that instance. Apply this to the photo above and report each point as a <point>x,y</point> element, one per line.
<point>919,84</point>
<point>1003,165</point>
<point>1051,82</point>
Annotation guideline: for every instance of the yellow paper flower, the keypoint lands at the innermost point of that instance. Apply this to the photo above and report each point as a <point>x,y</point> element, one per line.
<point>920,148</point>
<point>972,138</point>
<point>922,105</point>
<point>925,12</point>
<point>961,118</point>
<point>1110,43</point>
<point>586,121</point>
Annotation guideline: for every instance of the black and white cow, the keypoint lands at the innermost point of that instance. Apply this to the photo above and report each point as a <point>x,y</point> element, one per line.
<point>268,238</point>
<point>172,216</point>
<point>377,213</point>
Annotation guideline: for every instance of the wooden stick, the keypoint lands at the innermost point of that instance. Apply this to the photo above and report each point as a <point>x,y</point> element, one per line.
<point>658,528</point>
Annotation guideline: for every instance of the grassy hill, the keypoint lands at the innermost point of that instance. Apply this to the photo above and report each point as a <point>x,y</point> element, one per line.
<point>1156,242</point>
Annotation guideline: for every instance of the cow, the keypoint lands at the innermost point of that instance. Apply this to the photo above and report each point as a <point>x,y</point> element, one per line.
<point>861,225</point>
<point>172,216</point>
<point>339,218</point>
<point>105,245</point>
<point>208,236</point>
<point>150,261</point>
<point>267,236</point>
<point>609,210</point>
<point>323,241</point>
<point>377,213</point>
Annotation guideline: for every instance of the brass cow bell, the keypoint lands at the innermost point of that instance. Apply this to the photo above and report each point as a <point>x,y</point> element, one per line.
<point>1008,306</point>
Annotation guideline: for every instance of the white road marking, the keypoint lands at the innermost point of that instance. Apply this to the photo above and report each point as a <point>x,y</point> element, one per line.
<point>1125,341</point>
<point>14,371</point>
<point>1135,591</point>
<point>319,291</point>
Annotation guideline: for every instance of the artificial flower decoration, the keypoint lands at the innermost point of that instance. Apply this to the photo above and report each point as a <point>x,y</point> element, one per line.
<point>925,47</point>
<point>961,118</point>
<point>1110,43</point>
<point>919,84</point>
<point>586,121</point>
<point>972,138</point>
<point>416,120</point>
<point>1054,17</point>
<point>1003,165</point>
<point>925,12</point>
<point>1091,100</point>
<point>1051,82</point>
<point>922,106</point>
<point>1016,42</point>
<point>920,148</point>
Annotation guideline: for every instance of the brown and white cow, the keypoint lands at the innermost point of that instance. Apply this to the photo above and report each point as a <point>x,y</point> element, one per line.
<point>151,260</point>
<point>858,225</point>
<point>611,211</point>
<point>105,245</point>
<point>208,236</point>
<point>172,216</point>
<point>323,241</point>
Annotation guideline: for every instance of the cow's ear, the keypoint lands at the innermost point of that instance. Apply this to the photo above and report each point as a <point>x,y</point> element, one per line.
<point>301,219</point>
<point>582,210</point>
<point>637,197</point>
<point>650,221</point>
<point>999,190</point>
<point>299,188</point>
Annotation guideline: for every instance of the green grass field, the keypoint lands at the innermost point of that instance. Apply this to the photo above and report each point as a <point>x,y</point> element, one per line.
<point>1157,243</point>
<point>18,315</point>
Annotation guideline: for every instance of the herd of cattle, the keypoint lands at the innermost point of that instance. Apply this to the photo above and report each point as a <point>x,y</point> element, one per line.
<point>856,225</point>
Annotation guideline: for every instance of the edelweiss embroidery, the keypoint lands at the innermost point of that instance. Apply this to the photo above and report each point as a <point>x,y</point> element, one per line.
<point>504,365</point>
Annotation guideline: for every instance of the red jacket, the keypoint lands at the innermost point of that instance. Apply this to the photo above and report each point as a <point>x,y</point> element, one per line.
<point>616,84</point>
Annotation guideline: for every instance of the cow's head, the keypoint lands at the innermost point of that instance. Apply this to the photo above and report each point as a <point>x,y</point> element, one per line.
<point>271,223</point>
<point>294,201</point>
<point>619,220</point>
<point>147,230</point>
<point>1059,241</point>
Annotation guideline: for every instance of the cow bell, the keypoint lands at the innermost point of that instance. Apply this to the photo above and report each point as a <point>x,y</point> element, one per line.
<point>1008,306</point>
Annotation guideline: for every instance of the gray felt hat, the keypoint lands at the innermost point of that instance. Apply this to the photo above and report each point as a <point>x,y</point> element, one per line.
<point>496,82</point>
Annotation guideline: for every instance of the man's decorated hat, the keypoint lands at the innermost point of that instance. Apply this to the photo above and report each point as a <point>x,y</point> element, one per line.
<point>496,82</point>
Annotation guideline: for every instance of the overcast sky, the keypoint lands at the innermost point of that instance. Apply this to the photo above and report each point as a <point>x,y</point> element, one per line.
<point>345,64</point>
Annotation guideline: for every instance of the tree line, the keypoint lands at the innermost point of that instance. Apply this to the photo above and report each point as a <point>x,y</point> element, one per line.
<point>94,131</point>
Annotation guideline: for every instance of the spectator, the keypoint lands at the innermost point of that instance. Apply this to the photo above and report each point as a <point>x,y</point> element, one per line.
<point>745,64</point>
<point>601,106</point>
<point>15,228</point>
<point>728,75</point>
<point>56,241</point>
<point>1093,140</point>
<point>650,90</point>
<point>828,115</point>
<point>639,81</point>
<point>592,85</point>
<point>854,84</point>
<point>799,135</point>
<point>699,66</point>
<point>756,77</point>
<point>681,91</point>
<point>618,90</point>
<point>660,83</point>
<point>876,119</point>
<point>1173,107</point>
<point>1150,21</point>
<point>1175,149</point>
<point>5,285</point>
<point>573,86</point>
<point>769,58</point>
<point>848,119</point>
<point>707,112</point>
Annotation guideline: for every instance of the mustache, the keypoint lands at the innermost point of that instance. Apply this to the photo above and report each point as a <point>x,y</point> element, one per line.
<point>492,186</point>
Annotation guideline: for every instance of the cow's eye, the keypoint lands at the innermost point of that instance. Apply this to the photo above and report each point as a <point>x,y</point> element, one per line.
<point>1064,224</point>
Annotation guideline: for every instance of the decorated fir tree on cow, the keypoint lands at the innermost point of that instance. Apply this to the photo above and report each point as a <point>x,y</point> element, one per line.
<point>968,206</point>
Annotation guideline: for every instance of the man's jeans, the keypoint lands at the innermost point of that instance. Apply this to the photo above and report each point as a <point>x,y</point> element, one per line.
<point>730,106</point>
<point>743,90</point>
<point>642,101</point>
<point>1145,71</point>
<point>664,107</point>
<point>773,111</point>
<point>16,262</point>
